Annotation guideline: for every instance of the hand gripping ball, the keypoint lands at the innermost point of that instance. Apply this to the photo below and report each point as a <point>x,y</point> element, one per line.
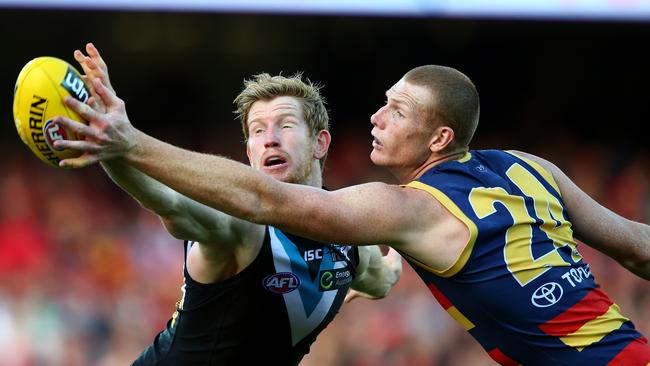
<point>38,98</point>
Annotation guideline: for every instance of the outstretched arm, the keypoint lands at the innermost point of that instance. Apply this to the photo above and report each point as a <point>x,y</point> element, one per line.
<point>182,217</point>
<point>627,241</point>
<point>367,214</point>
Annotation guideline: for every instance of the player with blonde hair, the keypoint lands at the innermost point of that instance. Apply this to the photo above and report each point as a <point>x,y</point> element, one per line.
<point>252,291</point>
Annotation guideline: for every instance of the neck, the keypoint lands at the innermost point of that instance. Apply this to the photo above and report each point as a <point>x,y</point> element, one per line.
<point>432,161</point>
<point>315,177</point>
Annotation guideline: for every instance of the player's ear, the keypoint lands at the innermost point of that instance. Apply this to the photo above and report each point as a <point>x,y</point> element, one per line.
<point>322,142</point>
<point>248,151</point>
<point>441,138</point>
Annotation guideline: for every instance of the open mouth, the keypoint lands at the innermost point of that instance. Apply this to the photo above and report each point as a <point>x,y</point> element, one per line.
<point>274,161</point>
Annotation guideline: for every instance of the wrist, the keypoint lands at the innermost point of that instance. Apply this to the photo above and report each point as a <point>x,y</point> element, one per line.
<point>134,150</point>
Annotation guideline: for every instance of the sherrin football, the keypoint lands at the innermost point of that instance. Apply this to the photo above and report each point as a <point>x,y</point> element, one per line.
<point>38,98</point>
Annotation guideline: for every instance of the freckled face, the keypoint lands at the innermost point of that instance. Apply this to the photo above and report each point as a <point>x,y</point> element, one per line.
<point>279,141</point>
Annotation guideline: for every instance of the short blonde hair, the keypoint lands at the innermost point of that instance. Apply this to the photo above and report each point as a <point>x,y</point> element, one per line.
<point>266,87</point>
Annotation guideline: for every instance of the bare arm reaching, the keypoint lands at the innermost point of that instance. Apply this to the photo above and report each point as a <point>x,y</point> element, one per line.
<point>183,218</point>
<point>239,190</point>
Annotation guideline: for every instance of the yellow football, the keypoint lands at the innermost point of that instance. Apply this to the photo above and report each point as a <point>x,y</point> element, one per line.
<point>38,98</point>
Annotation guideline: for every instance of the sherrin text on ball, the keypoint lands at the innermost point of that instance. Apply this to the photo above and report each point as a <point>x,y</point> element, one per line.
<point>38,99</point>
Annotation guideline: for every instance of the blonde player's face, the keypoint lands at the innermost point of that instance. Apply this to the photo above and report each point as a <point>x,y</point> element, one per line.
<point>400,134</point>
<point>279,142</point>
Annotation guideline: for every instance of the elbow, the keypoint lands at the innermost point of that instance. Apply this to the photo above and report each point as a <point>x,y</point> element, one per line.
<point>174,228</point>
<point>638,262</point>
<point>168,206</point>
<point>176,221</point>
<point>639,266</point>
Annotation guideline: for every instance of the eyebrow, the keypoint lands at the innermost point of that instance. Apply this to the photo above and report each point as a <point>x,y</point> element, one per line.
<point>282,115</point>
<point>398,101</point>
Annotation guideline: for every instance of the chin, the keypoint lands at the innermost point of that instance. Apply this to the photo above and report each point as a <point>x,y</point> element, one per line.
<point>376,158</point>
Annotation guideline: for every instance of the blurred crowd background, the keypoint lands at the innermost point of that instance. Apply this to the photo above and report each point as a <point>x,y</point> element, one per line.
<point>87,277</point>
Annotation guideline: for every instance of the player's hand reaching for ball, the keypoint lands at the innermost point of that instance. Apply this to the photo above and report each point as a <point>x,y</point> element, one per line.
<point>109,133</point>
<point>94,67</point>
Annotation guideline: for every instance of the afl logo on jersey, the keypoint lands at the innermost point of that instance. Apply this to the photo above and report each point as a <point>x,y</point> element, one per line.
<point>281,283</point>
<point>547,294</point>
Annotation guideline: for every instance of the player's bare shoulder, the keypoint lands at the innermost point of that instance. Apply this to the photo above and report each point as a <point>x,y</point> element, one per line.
<point>440,235</point>
<point>397,199</point>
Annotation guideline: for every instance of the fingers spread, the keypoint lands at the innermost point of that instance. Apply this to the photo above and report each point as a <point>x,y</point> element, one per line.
<point>80,162</point>
<point>79,145</point>
<point>91,63</point>
<point>78,128</point>
<point>94,53</point>
<point>84,110</point>
<point>79,56</point>
<point>108,97</point>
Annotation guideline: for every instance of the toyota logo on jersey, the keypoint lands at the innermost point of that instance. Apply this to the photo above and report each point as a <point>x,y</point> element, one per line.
<point>547,294</point>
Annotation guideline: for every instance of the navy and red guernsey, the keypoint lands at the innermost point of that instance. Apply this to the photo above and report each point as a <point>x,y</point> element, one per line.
<point>520,287</point>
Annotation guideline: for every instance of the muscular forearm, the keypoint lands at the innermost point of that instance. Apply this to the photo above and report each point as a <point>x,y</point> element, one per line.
<point>150,193</point>
<point>218,182</point>
<point>245,193</point>
<point>626,241</point>
<point>182,217</point>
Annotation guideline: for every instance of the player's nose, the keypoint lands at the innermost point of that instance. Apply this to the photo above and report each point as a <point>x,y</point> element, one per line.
<point>271,138</point>
<point>376,118</point>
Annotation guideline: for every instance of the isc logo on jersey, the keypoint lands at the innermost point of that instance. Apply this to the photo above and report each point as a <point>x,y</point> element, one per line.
<point>281,283</point>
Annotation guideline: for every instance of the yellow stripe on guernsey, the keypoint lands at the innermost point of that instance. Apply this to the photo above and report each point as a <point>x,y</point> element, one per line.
<point>465,157</point>
<point>543,172</point>
<point>473,231</point>
<point>460,318</point>
<point>595,329</point>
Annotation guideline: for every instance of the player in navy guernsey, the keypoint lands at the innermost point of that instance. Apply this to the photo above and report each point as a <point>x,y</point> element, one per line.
<point>252,292</point>
<point>490,232</point>
<point>539,302</point>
